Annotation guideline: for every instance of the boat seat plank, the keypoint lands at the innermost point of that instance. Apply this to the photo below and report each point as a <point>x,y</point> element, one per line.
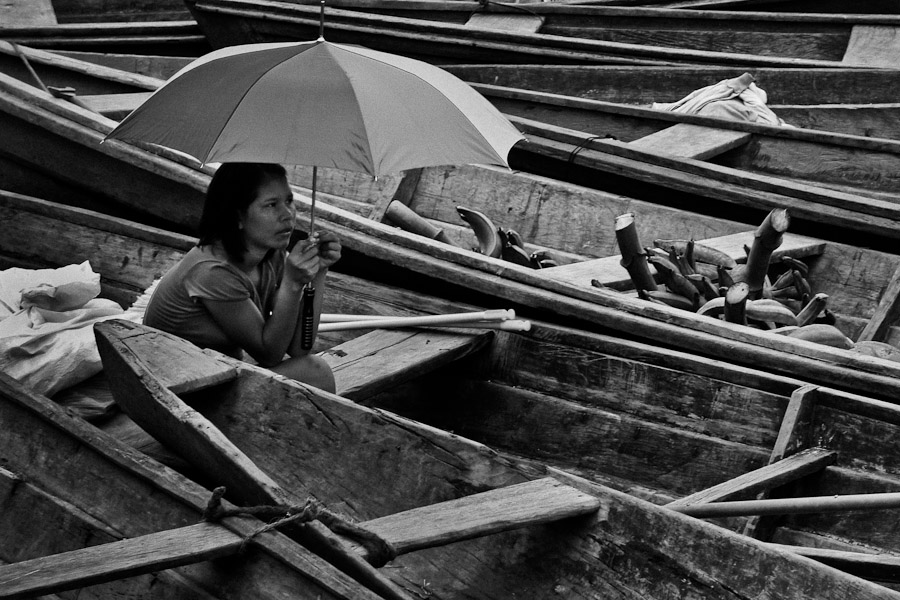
<point>612,274</point>
<point>523,23</point>
<point>532,503</point>
<point>117,560</point>
<point>772,475</point>
<point>692,141</point>
<point>884,568</point>
<point>182,371</point>
<point>27,13</point>
<point>114,106</point>
<point>886,313</point>
<point>873,46</point>
<point>383,358</point>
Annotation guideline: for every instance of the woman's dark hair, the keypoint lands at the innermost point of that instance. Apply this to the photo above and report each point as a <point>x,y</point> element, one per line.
<point>233,188</point>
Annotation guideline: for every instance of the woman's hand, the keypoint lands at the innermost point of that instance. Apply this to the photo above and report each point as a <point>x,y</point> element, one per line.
<point>311,256</point>
<point>329,249</point>
<point>303,262</point>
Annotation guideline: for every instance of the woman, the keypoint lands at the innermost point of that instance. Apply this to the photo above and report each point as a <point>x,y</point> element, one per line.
<point>240,290</point>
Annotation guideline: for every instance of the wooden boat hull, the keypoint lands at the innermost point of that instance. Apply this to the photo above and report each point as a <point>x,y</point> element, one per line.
<point>849,101</point>
<point>121,175</point>
<point>776,33</point>
<point>655,422</point>
<point>67,486</point>
<point>231,22</point>
<point>389,463</point>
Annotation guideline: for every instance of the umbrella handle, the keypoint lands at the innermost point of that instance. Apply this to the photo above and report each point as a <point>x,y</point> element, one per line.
<point>307,317</point>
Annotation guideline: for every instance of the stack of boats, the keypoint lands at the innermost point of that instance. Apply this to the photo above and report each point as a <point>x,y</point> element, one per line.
<point>623,446</point>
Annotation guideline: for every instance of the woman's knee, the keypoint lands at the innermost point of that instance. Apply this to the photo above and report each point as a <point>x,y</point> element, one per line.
<point>308,369</point>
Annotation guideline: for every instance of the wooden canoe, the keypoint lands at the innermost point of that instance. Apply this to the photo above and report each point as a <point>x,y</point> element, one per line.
<point>739,166</point>
<point>836,37</point>
<point>230,22</point>
<point>43,132</point>
<point>82,511</point>
<point>377,468</point>
<point>849,101</point>
<point>144,27</point>
<point>807,6</point>
<point>707,421</point>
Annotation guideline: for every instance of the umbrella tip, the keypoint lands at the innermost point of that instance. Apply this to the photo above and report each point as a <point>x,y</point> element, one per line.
<point>322,22</point>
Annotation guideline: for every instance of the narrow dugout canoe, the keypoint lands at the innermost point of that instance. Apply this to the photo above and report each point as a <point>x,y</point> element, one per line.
<point>147,27</point>
<point>850,101</point>
<point>369,464</point>
<point>231,22</point>
<point>692,422</point>
<point>119,178</point>
<point>65,486</point>
<point>803,6</point>
<point>778,33</point>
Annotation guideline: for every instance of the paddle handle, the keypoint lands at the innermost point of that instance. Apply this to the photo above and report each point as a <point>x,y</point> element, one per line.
<point>307,317</point>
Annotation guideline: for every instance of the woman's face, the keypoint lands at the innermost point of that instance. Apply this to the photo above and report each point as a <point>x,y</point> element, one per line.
<point>269,220</point>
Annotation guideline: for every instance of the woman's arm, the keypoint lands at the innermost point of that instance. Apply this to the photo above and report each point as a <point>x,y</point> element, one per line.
<point>268,340</point>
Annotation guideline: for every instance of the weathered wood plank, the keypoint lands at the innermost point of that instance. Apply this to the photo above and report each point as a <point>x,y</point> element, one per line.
<point>885,314</point>
<point>506,22</point>
<point>114,106</point>
<point>766,478</point>
<point>692,141</point>
<point>116,560</point>
<point>610,273</point>
<point>873,46</point>
<point>793,435</point>
<point>27,13</point>
<point>377,360</point>
<point>877,567</point>
<point>530,503</point>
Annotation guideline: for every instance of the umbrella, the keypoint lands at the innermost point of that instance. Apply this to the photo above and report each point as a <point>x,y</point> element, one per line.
<point>322,105</point>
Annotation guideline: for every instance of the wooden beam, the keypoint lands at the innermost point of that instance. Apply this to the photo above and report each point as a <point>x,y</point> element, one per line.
<point>383,358</point>
<point>886,314</point>
<point>692,141</point>
<point>117,560</point>
<point>768,477</point>
<point>115,106</point>
<point>876,567</point>
<point>524,504</point>
<point>792,436</point>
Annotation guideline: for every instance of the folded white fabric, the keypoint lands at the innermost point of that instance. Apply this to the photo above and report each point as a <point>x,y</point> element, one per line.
<point>46,325</point>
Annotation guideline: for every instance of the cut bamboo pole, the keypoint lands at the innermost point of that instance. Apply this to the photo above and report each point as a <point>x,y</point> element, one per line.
<point>786,506</point>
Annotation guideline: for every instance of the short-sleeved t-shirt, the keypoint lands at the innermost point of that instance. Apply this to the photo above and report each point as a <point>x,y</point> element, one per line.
<point>176,306</point>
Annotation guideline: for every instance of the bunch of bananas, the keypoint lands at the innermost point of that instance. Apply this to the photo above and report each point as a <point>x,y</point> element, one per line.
<point>697,278</point>
<point>507,244</point>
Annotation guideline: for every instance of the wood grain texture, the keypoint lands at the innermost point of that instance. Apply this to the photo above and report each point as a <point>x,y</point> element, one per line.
<point>520,505</point>
<point>692,141</point>
<point>383,358</point>
<point>115,560</point>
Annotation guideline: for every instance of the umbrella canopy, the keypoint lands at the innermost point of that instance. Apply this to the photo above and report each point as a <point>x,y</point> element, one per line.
<point>323,105</point>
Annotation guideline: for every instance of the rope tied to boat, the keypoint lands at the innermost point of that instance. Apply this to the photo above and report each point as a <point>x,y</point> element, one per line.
<point>584,143</point>
<point>378,550</point>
